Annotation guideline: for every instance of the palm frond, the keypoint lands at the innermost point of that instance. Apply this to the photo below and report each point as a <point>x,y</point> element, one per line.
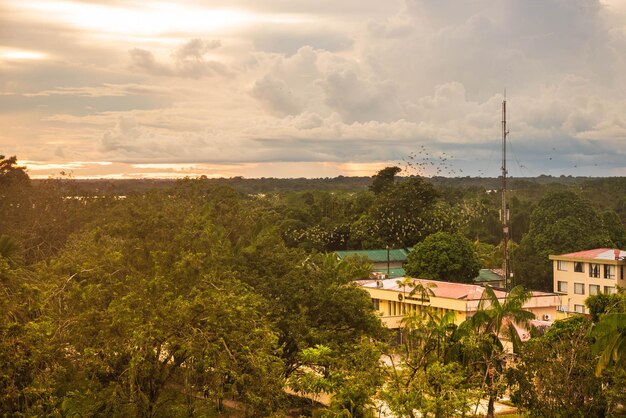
<point>610,334</point>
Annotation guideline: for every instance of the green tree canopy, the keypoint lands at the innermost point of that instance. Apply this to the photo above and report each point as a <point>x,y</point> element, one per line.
<point>554,376</point>
<point>489,255</point>
<point>603,303</point>
<point>608,311</point>
<point>384,179</point>
<point>610,334</point>
<point>10,172</point>
<point>615,228</point>
<point>444,256</point>
<point>314,300</point>
<point>400,216</point>
<point>146,304</point>
<point>562,222</point>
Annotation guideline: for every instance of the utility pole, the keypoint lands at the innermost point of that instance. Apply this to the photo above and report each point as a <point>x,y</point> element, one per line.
<point>388,270</point>
<point>504,212</point>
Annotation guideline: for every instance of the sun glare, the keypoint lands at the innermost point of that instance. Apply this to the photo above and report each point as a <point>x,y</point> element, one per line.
<point>148,19</point>
<point>19,55</point>
<point>361,169</point>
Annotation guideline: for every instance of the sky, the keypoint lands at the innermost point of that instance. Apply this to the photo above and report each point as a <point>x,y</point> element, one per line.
<point>312,88</point>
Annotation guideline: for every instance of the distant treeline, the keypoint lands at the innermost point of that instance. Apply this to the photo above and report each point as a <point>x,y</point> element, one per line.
<point>340,183</point>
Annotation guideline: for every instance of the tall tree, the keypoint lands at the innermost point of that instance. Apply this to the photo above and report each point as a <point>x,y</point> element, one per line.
<point>146,308</point>
<point>352,377</point>
<point>399,217</point>
<point>615,228</point>
<point>41,217</point>
<point>485,334</point>
<point>384,179</point>
<point>28,361</point>
<point>604,303</point>
<point>520,217</point>
<point>314,299</point>
<point>444,256</point>
<point>562,222</point>
<point>11,173</point>
<point>424,379</point>
<point>610,334</point>
<point>554,375</point>
<point>609,313</point>
<point>499,317</point>
<point>490,256</point>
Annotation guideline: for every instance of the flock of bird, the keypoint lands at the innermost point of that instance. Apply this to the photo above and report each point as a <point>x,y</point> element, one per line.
<point>426,164</point>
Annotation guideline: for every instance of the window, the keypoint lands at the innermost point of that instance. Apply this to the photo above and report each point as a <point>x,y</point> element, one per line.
<point>579,308</point>
<point>561,287</point>
<point>594,270</point>
<point>609,290</point>
<point>376,303</point>
<point>561,265</point>
<point>594,289</point>
<point>579,288</point>
<point>578,267</point>
<point>609,271</point>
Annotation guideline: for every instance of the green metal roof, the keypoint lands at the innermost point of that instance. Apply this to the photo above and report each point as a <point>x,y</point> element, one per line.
<point>486,275</point>
<point>377,256</point>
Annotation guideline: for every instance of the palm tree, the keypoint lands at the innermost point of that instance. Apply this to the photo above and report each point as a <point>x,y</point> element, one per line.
<point>434,330</point>
<point>442,328</point>
<point>610,333</point>
<point>428,339</point>
<point>424,290</point>
<point>499,318</point>
<point>404,282</point>
<point>494,321</point>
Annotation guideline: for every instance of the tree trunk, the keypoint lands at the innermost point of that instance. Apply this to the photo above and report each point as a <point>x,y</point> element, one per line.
<point>491,407</point>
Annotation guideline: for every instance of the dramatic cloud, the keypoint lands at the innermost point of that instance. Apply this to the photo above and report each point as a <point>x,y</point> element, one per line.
<point>268,88</point>
<point>188,61</point>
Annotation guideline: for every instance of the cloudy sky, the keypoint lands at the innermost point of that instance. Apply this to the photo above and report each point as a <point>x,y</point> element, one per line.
<point>312,88</point>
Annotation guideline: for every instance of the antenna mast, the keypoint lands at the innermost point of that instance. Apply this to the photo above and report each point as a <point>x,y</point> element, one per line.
<point>504,212</point>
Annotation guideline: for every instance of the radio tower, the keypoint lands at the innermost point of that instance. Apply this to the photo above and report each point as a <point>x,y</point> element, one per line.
<point>504,212</point>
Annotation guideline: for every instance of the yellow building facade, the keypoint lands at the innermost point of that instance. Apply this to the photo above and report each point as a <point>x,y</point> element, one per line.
<point>582,274</point>
<point>392,299</point>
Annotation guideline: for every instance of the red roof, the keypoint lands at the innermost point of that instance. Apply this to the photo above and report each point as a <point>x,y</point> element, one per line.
<point>439,288</point>
<point>471,294</point>
<point>596,254</point>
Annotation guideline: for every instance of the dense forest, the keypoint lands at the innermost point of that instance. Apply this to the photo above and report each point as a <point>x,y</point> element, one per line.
<point>209,297</point>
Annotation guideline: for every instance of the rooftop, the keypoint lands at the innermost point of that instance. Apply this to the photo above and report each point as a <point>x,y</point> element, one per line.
<point>393,272</point>
<point>489,275</point>
<point>449,290</point>
<point>596,254</point>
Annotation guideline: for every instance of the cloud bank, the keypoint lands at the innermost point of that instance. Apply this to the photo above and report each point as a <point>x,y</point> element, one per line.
<point>283,85</point>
